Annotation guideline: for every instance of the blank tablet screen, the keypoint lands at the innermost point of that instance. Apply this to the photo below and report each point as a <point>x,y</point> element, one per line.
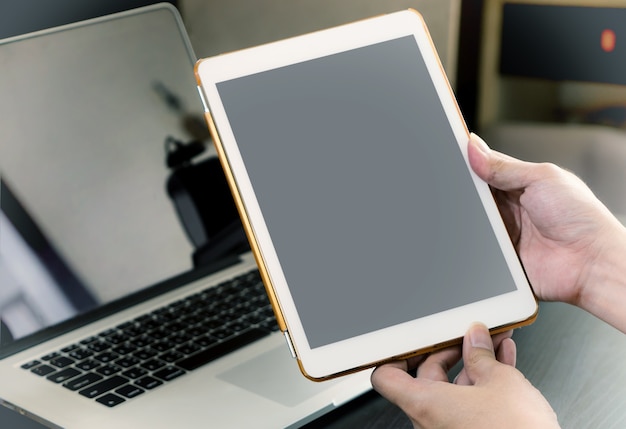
<point>364,190</point>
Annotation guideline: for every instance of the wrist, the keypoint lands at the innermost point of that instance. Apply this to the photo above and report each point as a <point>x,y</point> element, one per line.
<point>603,292</point>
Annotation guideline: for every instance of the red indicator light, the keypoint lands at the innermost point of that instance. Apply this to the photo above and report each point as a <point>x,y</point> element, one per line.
<point>607,40</point>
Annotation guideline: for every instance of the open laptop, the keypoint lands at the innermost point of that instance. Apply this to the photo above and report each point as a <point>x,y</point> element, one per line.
<point>119,243</point>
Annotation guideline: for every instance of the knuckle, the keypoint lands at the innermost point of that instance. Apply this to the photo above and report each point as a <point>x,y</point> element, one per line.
<point>549,169</point>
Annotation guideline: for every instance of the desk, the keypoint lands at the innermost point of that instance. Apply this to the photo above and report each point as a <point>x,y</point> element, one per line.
<point>574,359</point>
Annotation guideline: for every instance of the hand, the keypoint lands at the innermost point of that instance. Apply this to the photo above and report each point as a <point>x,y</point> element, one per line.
<point>569,242</point>
<point>486,394</point>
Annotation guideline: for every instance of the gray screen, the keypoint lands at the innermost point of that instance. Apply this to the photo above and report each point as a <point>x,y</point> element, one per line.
<point>365,192</point>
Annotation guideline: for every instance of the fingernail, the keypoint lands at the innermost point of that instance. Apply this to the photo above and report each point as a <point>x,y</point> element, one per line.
<point>480,143</point>
<point>479,336</point>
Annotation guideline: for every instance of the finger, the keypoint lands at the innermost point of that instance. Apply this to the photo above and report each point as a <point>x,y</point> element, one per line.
<point>499,337</point>
<point>506,352</point>
<point>507,356</point>
<point>462,379</point>
<point>478,352</point>
<point>400,364</point>
<point>384,377</point>
<point>437,364</point>
<point>414,362</point>
<point>499,170</point>
<point>393,382</point>
<point>424,401</point>
<point>509,208</point>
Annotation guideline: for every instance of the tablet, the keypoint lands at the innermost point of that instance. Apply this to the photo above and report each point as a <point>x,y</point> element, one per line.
<point>346,155</point>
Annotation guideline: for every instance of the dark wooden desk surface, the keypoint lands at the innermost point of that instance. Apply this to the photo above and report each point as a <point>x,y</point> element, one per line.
<point>576,360</point>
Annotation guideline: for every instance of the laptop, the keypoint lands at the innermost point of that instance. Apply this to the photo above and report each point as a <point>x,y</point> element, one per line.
<point>129,295</point>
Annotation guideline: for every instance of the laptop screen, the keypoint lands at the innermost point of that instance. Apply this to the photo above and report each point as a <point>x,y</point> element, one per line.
<point>109,184</point>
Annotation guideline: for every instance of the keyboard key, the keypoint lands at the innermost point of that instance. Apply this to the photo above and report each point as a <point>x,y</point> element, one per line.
<point>99,346</point>
<point>175,327</point>
<point>106,357</point>
<point>205,341</point>
<point>132,331</point>
<point>167,317</point>
<point>171,356</point>
<point>269,325</point>
<point>145,354</point>
<point>169,373</point>
<point>127,362</point>
<point>80,354</point>
<point>124,325</point>
<point>63,375</point>
<point>110,400</point>
<point>142,341</point>
<point>237,326</point>
<point>50,356</point>
<point>212,324</point>
<point>117,338</point>
<point>31,364</point>
<point>135,372</point>
<point>107,370</point>
<point>130,391</point>
<point>222,333</point>
<point>82,381</point>
<point>142,318</point>
<point>173,307</point>
<point>89,340</point>
<point>220,349</point>
<point>153,364</point>
<point>195,331</point>
<point>148,382</point>
<point>43,370</point>
<point>61,361</point>
<point>149,324</point>
<point>163,346</point>
<point>124,349</point>
<point>255,317</point>
<point>161,310</point>
<point>103,386</point>
<point>192,319</point>
<point>107,332</point>
<point>228,317</point>
<point>179,338</point>
<point>159,334</point>
<point>88,365</point>
<point>70,348</point>
<point>189,348</point>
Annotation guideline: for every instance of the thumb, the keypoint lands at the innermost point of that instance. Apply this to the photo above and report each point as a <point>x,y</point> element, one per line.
<point>497,169</point>
<point>478,352</point>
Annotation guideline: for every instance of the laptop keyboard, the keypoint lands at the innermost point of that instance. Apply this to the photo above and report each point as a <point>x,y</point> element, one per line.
<point>137,356</point>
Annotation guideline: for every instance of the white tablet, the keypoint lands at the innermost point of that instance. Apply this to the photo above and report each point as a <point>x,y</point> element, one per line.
<point>347,157</point>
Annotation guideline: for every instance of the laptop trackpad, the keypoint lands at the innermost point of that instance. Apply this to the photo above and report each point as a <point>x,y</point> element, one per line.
<point>274,375</point>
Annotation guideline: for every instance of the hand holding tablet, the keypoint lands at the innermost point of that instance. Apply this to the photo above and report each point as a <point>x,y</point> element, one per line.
<point>347,157</point>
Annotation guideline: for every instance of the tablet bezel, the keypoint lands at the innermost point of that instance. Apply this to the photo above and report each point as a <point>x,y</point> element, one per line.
<point>498,313</point>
